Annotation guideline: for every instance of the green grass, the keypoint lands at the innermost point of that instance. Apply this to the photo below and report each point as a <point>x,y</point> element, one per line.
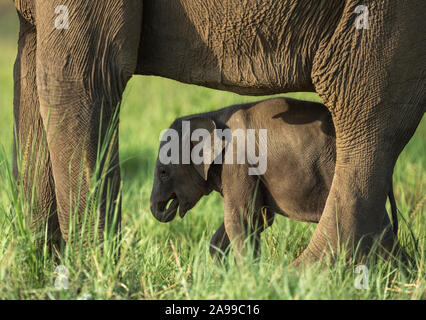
<point>171,261</point>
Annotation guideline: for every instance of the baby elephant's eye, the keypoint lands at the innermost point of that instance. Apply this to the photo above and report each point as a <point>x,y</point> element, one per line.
<point>163,174</point>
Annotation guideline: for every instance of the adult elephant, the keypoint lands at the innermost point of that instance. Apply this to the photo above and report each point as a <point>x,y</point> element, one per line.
<point>372,80</point>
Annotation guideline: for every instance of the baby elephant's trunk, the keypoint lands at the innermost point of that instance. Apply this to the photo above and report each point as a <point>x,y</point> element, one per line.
<point>163,213</point>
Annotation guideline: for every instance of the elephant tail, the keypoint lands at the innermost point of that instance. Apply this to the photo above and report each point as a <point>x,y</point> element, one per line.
<point>394,210</point>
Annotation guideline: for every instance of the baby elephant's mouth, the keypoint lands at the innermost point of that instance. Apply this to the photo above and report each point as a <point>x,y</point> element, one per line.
<point>166,210</point>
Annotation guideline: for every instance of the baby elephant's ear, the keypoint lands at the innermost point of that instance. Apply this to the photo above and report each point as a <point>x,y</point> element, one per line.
<point>203,131</point>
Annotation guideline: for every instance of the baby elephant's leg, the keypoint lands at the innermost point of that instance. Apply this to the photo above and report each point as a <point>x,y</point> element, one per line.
<point>389,244</point>
<point>387,236</point>
<point>243,203</point>
<point>219,243</point>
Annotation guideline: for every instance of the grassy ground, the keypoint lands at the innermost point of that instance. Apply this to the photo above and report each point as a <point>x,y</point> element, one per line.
<point>171,261</point>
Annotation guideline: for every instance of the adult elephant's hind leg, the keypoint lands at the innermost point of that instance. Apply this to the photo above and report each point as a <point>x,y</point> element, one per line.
<point>31,156</point>
<point>81,74</point>
<point>376,94</point>
<point>354,210</point>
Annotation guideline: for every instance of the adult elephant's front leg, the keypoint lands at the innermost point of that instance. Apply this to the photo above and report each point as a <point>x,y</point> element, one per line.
<point>31,154</point>
<point>86,52</point>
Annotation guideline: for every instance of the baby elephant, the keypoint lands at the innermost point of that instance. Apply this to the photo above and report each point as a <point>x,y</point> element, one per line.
<point>295,138</point>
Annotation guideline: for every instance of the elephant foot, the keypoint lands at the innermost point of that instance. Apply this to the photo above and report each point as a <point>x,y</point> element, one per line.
<point>306,258</point>
<point>385,248</point>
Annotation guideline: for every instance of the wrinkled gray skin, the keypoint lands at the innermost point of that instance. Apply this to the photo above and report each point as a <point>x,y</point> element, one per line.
<point>373,81</point>
<point>301,157</point>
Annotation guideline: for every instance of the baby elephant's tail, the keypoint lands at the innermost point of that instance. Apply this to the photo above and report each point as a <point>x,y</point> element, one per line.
<point>394,211</point>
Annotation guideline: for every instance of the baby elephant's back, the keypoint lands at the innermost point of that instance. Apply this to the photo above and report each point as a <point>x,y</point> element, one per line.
<point>300,154</point>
